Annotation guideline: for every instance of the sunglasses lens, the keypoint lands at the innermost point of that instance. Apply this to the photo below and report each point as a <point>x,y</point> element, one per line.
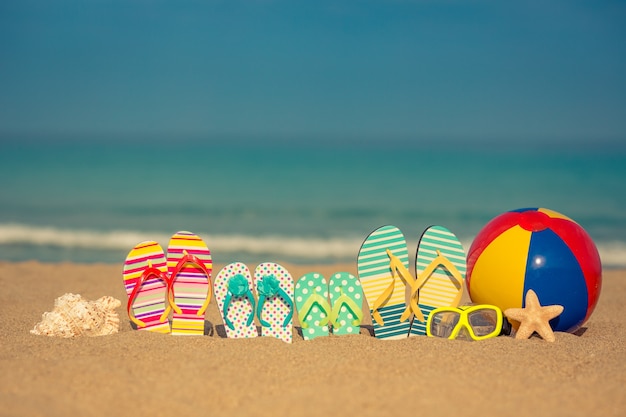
<point>483,322</point>
<point>442,323</point>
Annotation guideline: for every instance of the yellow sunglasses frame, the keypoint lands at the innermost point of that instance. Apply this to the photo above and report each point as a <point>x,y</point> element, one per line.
<point>464,312</point>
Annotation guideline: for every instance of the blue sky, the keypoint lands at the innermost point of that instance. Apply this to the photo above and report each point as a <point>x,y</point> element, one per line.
<point>508,70</point>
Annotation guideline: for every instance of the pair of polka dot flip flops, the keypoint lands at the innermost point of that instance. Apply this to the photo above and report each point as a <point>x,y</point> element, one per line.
<point>273,305</point>
<point>317,316</point>
<point>383,268</point>
<point>179,284</point>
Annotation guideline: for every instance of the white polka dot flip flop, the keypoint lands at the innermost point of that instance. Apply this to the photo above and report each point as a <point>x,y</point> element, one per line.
<point>235,300</point>
<point>274,286</point>
<point>311,296</point>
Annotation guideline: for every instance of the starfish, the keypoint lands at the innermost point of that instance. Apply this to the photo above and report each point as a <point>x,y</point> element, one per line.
<point>534,318</point>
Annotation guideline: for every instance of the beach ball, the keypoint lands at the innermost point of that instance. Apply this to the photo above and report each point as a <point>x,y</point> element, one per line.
<point>538,249</point>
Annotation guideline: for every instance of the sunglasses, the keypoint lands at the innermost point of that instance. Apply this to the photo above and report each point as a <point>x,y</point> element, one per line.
<point>477,322</point>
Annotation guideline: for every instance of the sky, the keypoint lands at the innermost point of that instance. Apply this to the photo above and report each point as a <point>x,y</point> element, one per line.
<point>504,70</point>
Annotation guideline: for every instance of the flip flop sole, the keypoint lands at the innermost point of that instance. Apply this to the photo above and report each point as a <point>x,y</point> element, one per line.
<point>347,284</point>
<point>440,290</point>
<point>150,302</point>
<point>375,276</point>
<point>275,309</point>
<point>240,308</point>
<point>309,285</point>
<point>191,285</point>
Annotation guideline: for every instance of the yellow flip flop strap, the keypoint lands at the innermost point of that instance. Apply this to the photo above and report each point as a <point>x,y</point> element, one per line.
<point>396,266</point>
<point>170,299</point>
<point>165,314</point>
<point>380,301</point>
<point>435,263</point>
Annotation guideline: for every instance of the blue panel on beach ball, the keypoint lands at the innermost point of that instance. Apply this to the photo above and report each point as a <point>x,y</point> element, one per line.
<point>553,272</point>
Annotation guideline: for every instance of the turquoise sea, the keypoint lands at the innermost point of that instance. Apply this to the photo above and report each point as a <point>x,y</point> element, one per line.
<point>306,200</point>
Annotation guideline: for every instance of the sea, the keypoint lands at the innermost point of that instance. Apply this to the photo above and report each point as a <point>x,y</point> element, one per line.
<point>299,200</point>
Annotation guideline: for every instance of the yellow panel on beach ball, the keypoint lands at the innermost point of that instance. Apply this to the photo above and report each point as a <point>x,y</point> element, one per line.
<point>554,214</point>
<point>499,271</point>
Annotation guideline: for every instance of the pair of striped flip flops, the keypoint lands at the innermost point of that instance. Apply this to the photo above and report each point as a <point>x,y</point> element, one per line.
<point>179,283</point>
<point>383,268</point>
<point>316,315</point>
<point>238,305</point>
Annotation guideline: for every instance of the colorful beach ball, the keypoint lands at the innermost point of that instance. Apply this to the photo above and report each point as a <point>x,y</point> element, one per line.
<point>538,249</point>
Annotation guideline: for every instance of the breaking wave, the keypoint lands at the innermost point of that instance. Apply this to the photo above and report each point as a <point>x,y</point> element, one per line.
<point>612,253</point>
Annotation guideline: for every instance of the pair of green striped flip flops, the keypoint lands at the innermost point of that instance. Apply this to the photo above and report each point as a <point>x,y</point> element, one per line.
<point>399,301</point>
<point>317,315</point>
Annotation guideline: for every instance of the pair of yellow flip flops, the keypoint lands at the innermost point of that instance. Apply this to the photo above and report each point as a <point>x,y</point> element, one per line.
<point>383,270</point>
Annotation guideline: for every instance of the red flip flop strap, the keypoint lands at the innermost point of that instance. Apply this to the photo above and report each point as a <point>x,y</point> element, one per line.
<point>193,259</point>
<point>147,273</point>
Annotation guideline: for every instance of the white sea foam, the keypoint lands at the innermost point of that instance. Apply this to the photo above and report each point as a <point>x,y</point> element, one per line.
<point>50,236</point>
<point>612,253</point>
<point>307,248</point>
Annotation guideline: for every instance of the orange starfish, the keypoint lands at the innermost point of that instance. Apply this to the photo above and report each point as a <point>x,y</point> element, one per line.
<point>534,318</point>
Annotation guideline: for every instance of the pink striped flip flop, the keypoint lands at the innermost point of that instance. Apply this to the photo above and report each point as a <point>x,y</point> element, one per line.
<point>189,266</point>
<point>146,284</point>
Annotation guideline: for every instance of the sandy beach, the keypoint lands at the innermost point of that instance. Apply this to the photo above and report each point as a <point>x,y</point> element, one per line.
<point>162,375</point>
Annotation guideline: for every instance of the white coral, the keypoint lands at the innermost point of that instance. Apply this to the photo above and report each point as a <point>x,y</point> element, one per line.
<point>74,316</point>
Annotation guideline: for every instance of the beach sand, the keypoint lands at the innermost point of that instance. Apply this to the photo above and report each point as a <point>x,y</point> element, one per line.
<point>149,374</point>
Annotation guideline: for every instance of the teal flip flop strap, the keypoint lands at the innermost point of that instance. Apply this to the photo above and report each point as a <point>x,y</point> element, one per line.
<point>268,287</point>
<point>351,305</point>
<point>308,305</point>
<point>238,287</point>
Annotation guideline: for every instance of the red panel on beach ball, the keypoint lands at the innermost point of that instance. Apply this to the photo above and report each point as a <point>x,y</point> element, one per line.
<point>538,249</point>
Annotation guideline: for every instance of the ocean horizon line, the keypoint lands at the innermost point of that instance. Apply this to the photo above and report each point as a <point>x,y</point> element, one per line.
<point>487,142</point>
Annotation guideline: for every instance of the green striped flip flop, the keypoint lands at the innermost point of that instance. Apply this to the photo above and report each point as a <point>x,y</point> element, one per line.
<point>346,297</point>
<point>311,295</point>
<point>440,266</point>
<point>384,289</point>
